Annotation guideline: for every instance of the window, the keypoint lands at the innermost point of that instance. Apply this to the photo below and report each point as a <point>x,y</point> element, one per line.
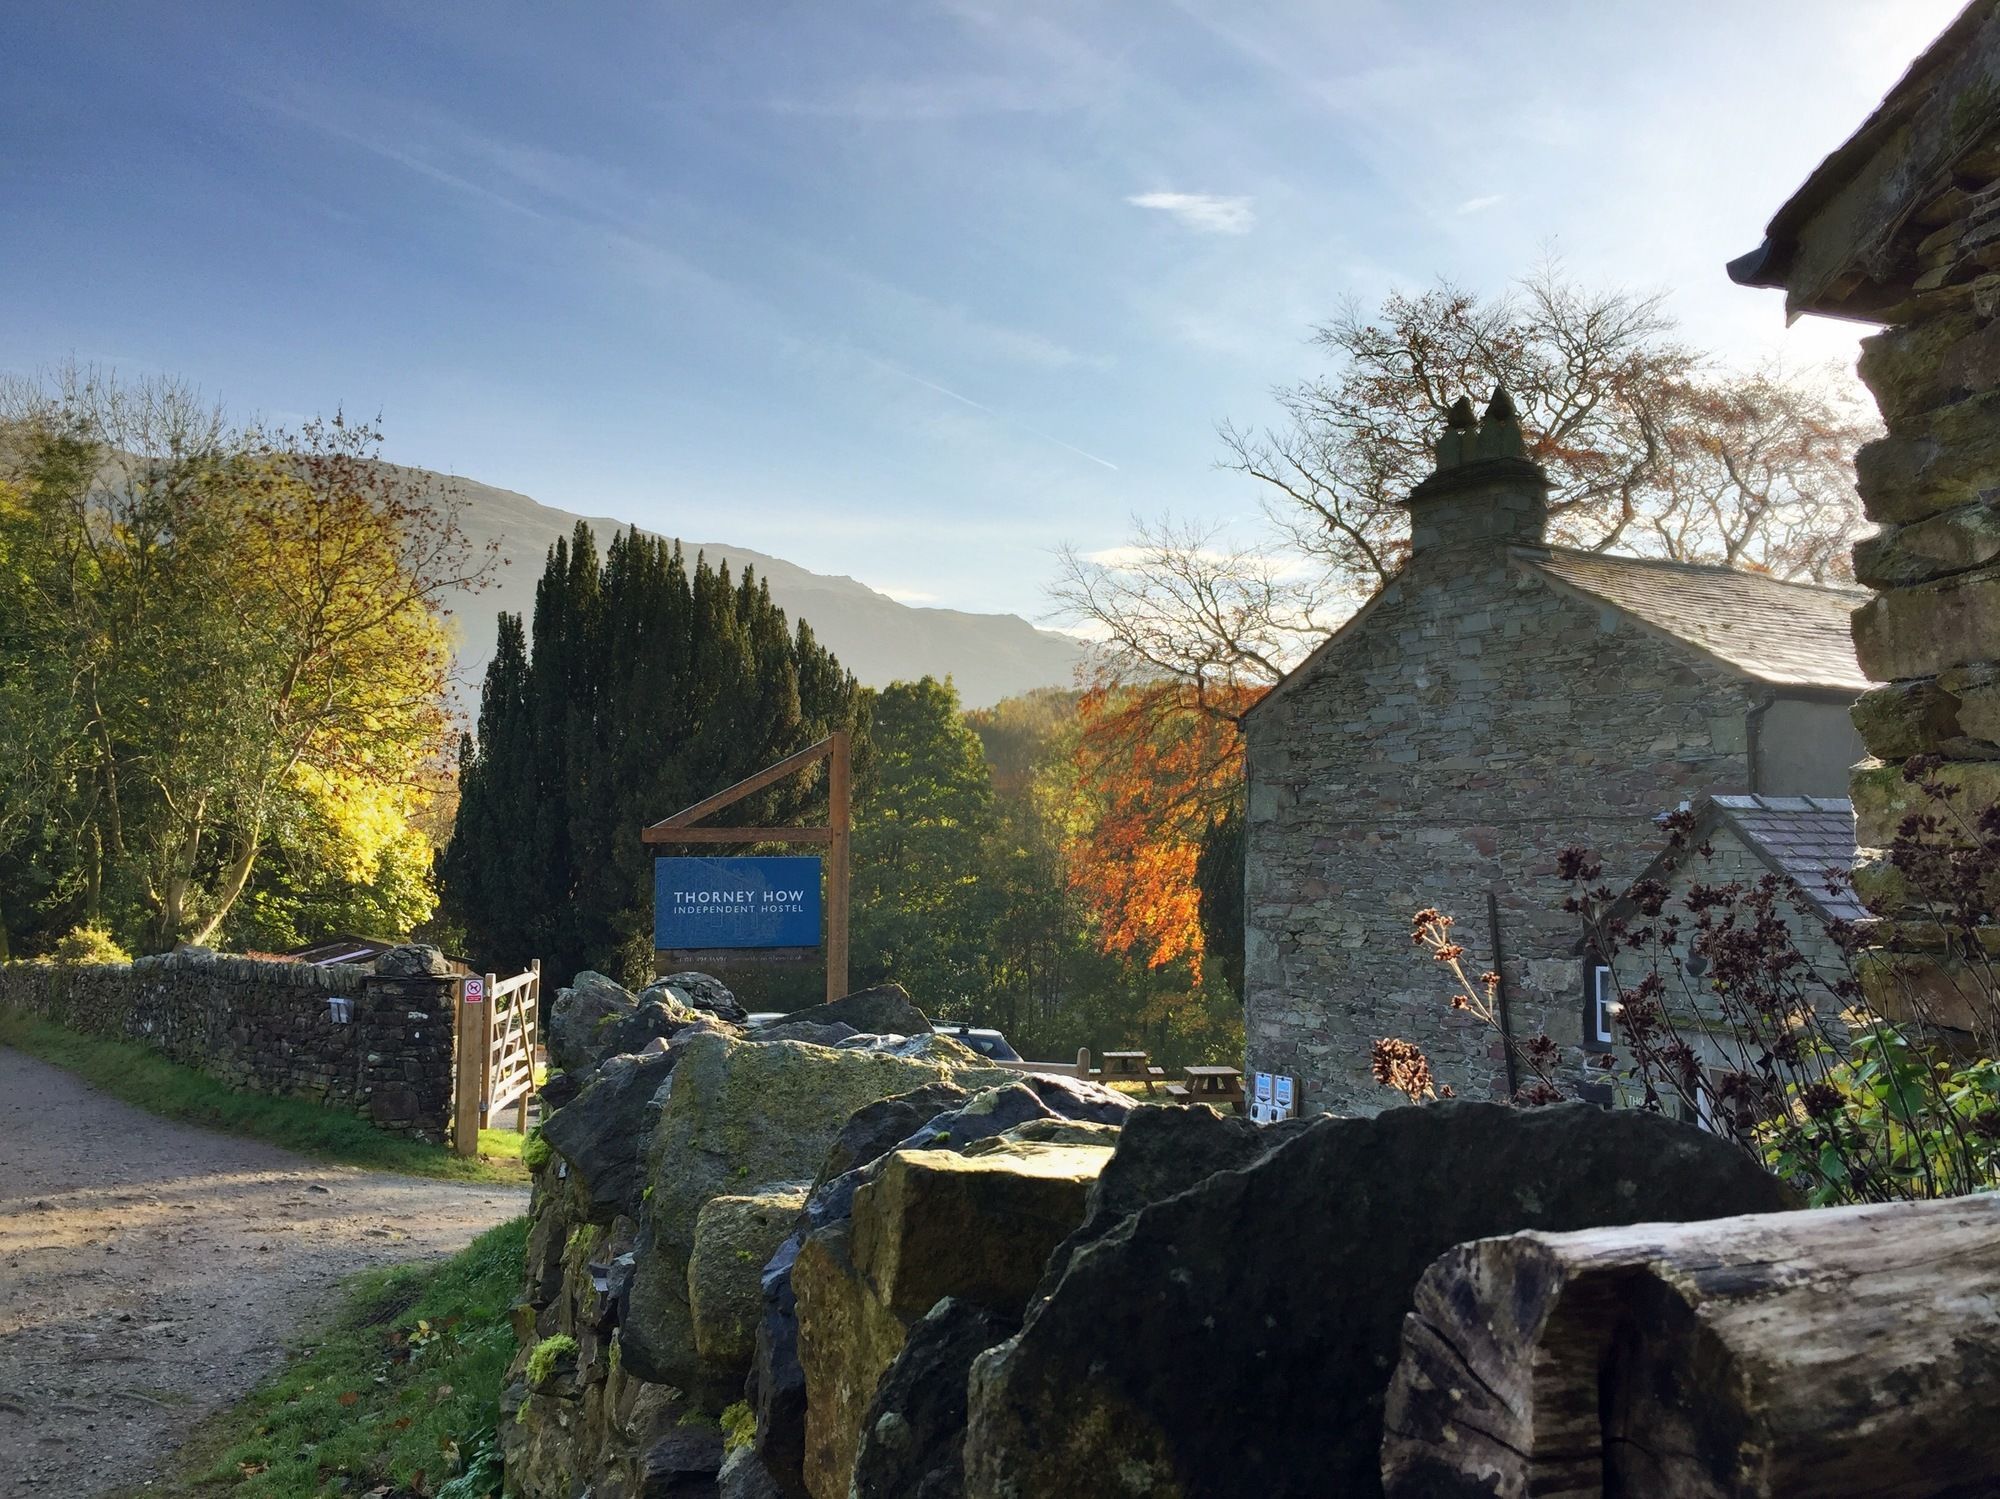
<point>1599,1009</point>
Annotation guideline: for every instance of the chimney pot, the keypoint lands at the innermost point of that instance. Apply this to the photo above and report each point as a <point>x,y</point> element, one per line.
<point>1484,488</point>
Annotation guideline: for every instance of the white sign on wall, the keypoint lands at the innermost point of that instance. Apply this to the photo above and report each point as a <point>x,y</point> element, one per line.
<point>1272,1097</point>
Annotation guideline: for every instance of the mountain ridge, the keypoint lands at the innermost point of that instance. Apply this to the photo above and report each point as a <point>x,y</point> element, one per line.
<point>879,639</point>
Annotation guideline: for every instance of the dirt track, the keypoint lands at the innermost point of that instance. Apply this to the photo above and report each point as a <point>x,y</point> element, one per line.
<point>151,1272</point>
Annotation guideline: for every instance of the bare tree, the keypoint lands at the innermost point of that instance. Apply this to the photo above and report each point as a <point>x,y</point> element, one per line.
<point>1650,448</point>
<point>1181,602</point>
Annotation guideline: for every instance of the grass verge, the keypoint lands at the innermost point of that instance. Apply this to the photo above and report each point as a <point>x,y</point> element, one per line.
<point>401,1391</point>
<point>145,1079</point>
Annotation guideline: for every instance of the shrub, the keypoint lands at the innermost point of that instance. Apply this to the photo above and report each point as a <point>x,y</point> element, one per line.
<point>88,943</point>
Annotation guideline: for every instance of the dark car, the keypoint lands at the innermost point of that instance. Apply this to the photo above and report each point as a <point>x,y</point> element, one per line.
<point>988,1043</point>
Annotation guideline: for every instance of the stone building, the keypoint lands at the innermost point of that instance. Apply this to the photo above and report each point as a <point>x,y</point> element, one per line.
<point>1499,700</point>
<point>1901,226</point>
<point>1734,839</point>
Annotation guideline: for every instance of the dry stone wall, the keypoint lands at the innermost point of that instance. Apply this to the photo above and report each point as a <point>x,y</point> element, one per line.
<point>1932,632</point>
<point>376,1043</point>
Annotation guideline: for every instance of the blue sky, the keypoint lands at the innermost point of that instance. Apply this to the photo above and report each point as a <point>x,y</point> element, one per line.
<point>909,292</point>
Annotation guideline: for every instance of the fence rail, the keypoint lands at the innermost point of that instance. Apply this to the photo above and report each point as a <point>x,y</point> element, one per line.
<point>499,1028</point>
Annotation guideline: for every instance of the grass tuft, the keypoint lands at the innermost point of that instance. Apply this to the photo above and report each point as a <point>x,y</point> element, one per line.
<point>140,1076</point>
<point>408,1399</point>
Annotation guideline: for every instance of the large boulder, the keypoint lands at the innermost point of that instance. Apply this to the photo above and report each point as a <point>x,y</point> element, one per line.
<point>702,991</point>
<point>929,1119</point>
<point>1161,1152</point>
<point>590,1002</point>
<point>913,1433</point>
<point>602,1131</point>
<point>1079,1098</point>
<point>930,1224</point>
<point>733,1238</point>
<point>885,1010</point>
<point>739,1114</point>
<point>935,1223</point>
<point>652,1018</point>
<point>777,1383</point>
<point>1278,1291</point>
<point>681,1462</point>
<point>875,1129</point>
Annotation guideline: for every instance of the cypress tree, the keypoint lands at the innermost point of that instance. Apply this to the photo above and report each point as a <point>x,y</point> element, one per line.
<point>645,685</point>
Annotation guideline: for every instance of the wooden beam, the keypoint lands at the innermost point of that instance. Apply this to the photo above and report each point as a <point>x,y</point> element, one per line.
<point>837,788</point>
<point>743,788</point>
<point>661,833</point>
<point>1846,1353</point>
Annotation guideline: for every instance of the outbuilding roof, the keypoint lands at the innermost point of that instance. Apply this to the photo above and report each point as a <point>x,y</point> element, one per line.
<point>1787,634</point>
<point>1799,837</point>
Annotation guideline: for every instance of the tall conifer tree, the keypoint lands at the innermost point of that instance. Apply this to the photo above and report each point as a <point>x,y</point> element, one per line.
<point>645,685</point>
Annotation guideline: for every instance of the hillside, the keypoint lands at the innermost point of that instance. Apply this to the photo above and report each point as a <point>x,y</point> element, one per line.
<point>989,656</point>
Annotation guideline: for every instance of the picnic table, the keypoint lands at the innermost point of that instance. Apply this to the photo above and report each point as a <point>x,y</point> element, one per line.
<point>1130,1067</point>
<point>1221,1086</point>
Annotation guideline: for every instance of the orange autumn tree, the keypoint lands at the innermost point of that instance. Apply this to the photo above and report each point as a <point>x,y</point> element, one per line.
<point>1155,766</point>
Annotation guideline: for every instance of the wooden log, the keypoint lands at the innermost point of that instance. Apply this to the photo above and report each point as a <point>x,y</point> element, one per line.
<point>1847,1351</point>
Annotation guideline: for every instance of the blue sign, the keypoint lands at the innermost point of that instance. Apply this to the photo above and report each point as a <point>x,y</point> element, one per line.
<point>735,903</point>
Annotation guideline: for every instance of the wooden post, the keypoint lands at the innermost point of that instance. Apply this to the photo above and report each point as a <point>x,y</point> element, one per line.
<point>469,1075</point>
<point>1083,1063</point>
<point>531,1032</point>
<point>486,1052</point>
<point>836,867</point>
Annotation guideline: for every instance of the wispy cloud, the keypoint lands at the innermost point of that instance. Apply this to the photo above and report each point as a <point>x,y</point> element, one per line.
<point>905,595</point>
<point>981,406</point>
<point>1207,213</point>
<point>1481,203</point>
<point>911,100</point>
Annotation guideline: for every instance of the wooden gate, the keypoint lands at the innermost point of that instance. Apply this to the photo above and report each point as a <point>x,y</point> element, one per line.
<point>499,1029</point>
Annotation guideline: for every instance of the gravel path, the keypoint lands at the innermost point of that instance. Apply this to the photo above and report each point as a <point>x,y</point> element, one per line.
<point>151,1272</point>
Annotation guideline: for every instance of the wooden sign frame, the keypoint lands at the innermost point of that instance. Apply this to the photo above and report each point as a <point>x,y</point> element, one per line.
<point>836,751</point>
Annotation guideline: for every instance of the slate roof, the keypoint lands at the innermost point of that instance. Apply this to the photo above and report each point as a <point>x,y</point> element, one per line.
<point>1787,634</point>
<point>1800,836</point>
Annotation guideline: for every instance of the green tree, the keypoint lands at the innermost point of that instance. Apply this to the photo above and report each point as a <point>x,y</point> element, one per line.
<point>644,685</point>
<point>229,630</point>
<point>921,902</point>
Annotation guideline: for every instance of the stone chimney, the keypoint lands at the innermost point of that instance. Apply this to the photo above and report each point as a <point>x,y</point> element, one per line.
<point>1484,490</point>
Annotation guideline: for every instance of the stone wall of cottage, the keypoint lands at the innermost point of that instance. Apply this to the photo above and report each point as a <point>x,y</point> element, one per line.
<point>376,1043</point>
<point>1473,723</point>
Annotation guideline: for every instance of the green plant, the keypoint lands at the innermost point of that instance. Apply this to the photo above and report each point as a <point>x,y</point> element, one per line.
<point>1894,1108</point>
<point>372,1403</point>
<point>543,1356</point>
<point>739,1426</point>
<point>88,943</point>
<point>535,1151</point>
<point>484,1471</point>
